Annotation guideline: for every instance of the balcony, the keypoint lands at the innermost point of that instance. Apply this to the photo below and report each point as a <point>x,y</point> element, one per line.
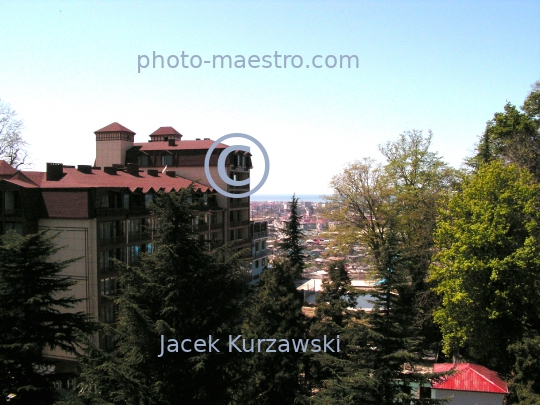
<point>238,204</point>
<point>259,254</point>
<point>113,240</point>
<point>12,212</point>
<point>261,234</point>
<point>236,224</point>
<point>239,188</point>
<point>141,236</point>
<point>239,168</point>
<point>111,212</point>
<point>208,206</point>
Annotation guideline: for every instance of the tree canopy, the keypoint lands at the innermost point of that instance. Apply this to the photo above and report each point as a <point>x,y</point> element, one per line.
<point>12,145</point>
<point>179,292</point>
<point>487,269</point>
<point>292,242</point>
<point>36,312</point>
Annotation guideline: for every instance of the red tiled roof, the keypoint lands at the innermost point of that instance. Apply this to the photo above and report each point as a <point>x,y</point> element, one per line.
<point>114,127</point>
<point>183,145</point>
<point>165,131</point>
<point>99,179</point>
<point>469,377</point>
<point>6,169</point>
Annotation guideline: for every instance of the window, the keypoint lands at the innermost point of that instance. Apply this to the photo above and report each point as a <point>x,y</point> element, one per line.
<point>142,160</point>
<point>166,160</point>
<point>147,198</point>
<point>425,392</point>
<point>70,383</point>
<point>133,252</point>
<point>108,285</point>
<point>14,226</point>
<point>12,202</point>
<point>126,201</point>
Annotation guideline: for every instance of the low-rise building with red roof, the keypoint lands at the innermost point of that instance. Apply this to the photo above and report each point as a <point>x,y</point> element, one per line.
<point>468,384</point>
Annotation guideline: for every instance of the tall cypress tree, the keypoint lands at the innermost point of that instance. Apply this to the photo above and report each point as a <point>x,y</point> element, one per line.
<point>292,242</point>
<point>35,313</point>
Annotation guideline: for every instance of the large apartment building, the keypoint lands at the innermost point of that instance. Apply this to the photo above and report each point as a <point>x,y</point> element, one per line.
<point>100,211</point>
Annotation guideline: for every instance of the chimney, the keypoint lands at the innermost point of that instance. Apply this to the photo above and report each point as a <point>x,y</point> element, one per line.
<point>133,169</point>
<point>171,173</point>
<point>55,171</point>
<point>171,142</point>
<point>109,170</point>
<point>86,169</point>
<point>152,172</point>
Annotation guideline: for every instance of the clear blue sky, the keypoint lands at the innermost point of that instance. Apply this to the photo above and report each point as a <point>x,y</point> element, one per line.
<point>71,68</point>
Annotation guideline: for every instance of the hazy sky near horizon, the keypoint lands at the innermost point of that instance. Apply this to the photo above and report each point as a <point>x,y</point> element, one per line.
<point>72,68</point>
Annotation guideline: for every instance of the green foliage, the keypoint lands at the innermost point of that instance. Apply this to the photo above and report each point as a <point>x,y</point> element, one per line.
<point>487,269</point>
<point>35,313</point>
<point>292,242</point>
<point>513,135</point>
<point>180,292</point>
<point>344,377</point>
<point>392,209</point>
<point>525,386</point>
<point>274,311</point>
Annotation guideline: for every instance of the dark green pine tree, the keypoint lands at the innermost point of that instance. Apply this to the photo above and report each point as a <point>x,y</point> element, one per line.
<point>35,313</point>
<point>275,311</point>
<point>292,242</point>
<point>343,377</point>
<point>181,292</point>
<point>374,346</point>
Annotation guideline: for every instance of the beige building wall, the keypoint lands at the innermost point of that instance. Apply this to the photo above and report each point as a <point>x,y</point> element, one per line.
<point>111,152</point>
<point>78,237</point>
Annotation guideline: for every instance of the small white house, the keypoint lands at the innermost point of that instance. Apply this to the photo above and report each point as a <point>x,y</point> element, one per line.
<point>468,384</point>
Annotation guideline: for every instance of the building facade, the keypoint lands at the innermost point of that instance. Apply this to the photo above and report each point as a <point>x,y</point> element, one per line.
<point>101,212</point>
<point>259,252</point>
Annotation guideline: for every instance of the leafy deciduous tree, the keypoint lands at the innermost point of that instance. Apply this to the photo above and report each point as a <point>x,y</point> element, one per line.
<point>487,270</point>
<point>12,145</point>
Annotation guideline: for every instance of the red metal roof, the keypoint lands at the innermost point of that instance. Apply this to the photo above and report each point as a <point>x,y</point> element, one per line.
<point>165,131</point>
<point>183,145</point>
<point>114,127</point>
<point>469,377</point>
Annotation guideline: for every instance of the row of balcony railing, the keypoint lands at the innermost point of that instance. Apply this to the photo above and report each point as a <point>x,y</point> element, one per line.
<point>261,234</point>
<point>122,239</point>
<point>259,254</point>
<point>12,212</point>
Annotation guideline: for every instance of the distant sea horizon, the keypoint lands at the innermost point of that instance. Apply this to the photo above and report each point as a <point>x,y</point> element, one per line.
<point>287,197</point>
